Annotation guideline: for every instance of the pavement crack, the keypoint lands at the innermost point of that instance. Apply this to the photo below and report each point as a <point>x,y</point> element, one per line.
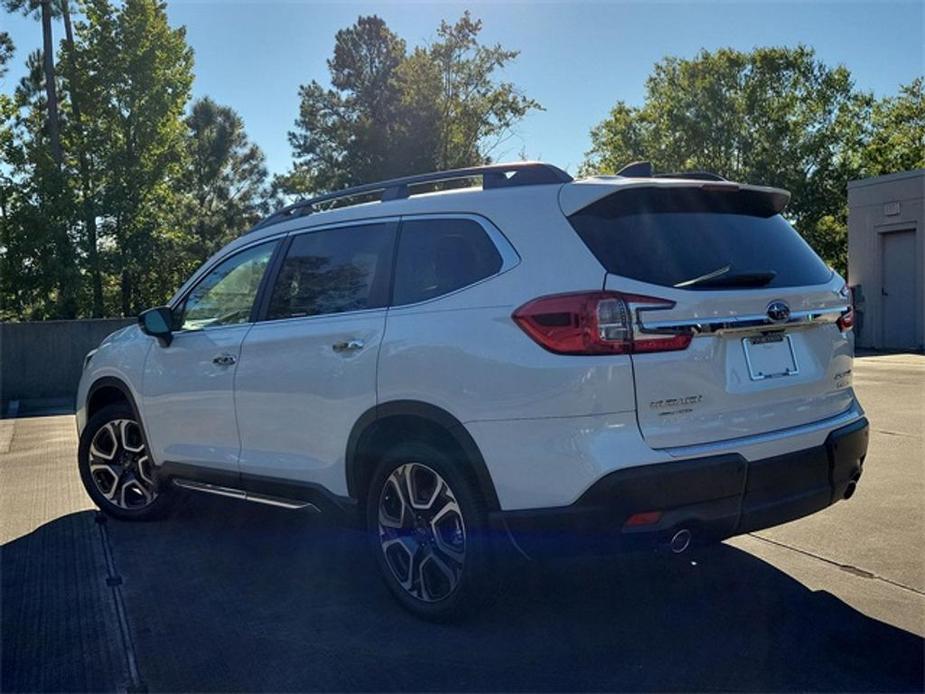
<point>848,568</point>
<point>892,433</point>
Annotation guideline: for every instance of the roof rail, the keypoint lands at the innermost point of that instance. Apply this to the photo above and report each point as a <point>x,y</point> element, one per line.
<point>523,173</point>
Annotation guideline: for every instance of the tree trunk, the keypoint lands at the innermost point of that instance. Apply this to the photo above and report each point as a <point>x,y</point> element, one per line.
<point>126,294</point>
<point>86,187</point>
<point>51,93</point>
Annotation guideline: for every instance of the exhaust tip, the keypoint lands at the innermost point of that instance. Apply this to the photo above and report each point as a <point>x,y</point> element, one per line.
<point>680,541</point>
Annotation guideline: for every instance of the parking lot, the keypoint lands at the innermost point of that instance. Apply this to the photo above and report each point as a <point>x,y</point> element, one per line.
<point>230,596</point>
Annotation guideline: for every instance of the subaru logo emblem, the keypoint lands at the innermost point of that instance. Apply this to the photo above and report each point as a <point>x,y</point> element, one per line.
<point>778,311</point>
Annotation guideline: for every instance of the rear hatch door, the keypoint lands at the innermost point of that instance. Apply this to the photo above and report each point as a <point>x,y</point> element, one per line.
<point>767,352</point>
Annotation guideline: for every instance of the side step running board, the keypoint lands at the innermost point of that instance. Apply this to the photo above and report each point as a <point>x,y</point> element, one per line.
<point>245,495</point>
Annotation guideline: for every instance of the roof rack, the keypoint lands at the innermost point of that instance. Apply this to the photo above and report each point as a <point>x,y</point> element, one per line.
<point>522,173</point>
<point>643,169</point>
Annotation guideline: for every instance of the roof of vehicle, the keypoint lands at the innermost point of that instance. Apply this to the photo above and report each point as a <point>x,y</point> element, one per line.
<point>535,191</point>
<point>519,180</point>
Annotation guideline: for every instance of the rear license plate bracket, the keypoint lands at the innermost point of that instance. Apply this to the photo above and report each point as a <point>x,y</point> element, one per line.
<point>770,356</point>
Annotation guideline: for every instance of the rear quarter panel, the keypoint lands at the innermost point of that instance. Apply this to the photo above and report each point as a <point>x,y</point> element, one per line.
<point>464,353</point>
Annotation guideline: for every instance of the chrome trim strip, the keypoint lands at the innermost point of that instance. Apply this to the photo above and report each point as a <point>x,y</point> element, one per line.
<point>282,503</point>
<point>209,488</point>
<point>244,496</point>
<point>715,325</point>
<point>730,445</point>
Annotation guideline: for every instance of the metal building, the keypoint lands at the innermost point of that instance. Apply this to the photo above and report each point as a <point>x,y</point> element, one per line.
<point>886,259</point>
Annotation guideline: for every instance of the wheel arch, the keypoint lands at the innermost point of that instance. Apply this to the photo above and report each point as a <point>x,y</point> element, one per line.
<point>392,421</point>
<point>108,390</point>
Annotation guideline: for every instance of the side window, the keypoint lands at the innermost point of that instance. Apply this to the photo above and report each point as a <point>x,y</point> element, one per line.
<point>438,256</point>
<point>333,271</point>
<point>226,295</point>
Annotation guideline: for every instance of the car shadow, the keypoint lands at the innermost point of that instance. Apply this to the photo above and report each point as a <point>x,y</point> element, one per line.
<point>229,596</point>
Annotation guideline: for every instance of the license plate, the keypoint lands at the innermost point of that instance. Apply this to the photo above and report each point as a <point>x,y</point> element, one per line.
<point>769,356</point>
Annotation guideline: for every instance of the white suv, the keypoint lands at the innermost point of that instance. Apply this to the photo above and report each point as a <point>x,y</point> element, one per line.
<point>617,362</point>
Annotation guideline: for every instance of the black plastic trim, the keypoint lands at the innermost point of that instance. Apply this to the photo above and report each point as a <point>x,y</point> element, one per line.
<point>433,415</point>
<point>112,382</point>
<point>715,497</point>
<point>262,300</point>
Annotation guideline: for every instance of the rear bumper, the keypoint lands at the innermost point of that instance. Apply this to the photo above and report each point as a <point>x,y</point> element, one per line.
<point>714,497</point>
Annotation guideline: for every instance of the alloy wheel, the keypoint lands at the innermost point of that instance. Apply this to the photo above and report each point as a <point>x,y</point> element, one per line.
<point>422,532</point>
<point>120,465</point>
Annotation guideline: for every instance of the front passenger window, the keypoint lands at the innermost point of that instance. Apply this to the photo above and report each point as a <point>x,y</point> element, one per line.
<point>226,295</point>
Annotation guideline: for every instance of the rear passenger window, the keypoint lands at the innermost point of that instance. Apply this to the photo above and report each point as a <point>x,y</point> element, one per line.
<point>438,256</point>
<point>333,271</point>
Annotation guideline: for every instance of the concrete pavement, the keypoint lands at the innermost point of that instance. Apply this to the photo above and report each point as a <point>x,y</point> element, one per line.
<point>229,596</point>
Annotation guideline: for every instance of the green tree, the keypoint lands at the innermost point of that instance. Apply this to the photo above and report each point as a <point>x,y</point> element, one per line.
<point>77,143</point>
<point>390,114</point>
<point>474,112</point>
<point>39,273</point>
<point>777,116</point>
<point>136,74</point>
<point>225,180</point>
<point>347,134</point>
<point>897,139</point>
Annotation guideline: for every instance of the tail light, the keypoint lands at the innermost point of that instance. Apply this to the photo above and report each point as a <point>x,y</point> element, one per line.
<point>595,323</point>
<point>846,319</point>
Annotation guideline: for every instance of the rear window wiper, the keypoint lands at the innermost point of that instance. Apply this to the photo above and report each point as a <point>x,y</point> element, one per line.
<point>722,277</point>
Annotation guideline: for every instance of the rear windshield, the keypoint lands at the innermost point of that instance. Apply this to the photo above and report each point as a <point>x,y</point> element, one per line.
<point>697,239</point>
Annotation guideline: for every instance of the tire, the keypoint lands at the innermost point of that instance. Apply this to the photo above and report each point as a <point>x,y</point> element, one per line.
<point>115,467</point>
<point>436,558</point>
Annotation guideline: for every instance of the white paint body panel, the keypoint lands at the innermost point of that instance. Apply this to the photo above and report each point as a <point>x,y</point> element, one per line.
<point>297,399</point>
<point>188,401</point>
<point>122,356</point>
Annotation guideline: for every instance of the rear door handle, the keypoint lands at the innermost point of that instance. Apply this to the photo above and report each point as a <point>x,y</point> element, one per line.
<point>348,346</point>
<point>224,359</point>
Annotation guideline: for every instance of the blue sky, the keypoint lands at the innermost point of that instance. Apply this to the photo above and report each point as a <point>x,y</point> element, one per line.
<point>577,58</point>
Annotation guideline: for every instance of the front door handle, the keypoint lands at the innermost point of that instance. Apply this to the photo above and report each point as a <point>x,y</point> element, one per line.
<point>224,359</point>
<point>348,346</point>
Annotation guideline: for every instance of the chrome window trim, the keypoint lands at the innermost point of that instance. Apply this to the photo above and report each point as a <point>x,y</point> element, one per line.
<point>324,316</point>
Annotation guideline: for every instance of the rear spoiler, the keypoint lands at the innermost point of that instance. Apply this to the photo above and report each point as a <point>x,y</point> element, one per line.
<point>578,195</point>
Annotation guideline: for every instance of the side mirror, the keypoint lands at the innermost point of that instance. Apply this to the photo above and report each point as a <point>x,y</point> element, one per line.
<point>158,322</point>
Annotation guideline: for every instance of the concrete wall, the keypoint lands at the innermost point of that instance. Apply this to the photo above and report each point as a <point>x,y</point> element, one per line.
<point>877,208</point>
<point>44,359</point>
